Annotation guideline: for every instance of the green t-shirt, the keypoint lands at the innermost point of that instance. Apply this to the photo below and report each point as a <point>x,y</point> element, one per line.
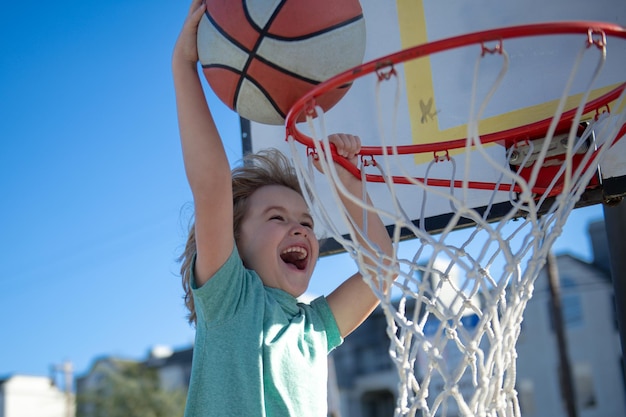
<point>258,351</point>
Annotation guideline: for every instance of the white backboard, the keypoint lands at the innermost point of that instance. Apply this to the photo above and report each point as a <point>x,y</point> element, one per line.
<point>435,92</point>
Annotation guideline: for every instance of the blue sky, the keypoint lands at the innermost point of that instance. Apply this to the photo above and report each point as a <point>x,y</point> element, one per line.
<point>95,204</point>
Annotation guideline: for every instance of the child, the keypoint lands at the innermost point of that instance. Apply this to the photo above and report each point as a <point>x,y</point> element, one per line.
<point>251,252</point>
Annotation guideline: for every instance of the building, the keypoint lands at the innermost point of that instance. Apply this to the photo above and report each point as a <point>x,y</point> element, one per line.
<point>595,359</point>
<point>30,396</point>
<point>96,380</point>
<point>174,367</point>
<point>367,381</point>
<point>592,343</point>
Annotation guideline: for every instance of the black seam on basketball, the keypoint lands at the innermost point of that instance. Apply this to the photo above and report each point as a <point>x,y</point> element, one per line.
<point>242,77</point>
<point>264,92</point>
<point>295,75</point>
<point>222,66</point>
<point>319,32</point>
<point>253,53</point>
<point>286,71</point>
<point>225,34</point>
<point>234,42</point>
<point>251,22</point>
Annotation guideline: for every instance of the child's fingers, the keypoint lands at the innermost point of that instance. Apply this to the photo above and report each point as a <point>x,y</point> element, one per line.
<point>195,4</point>
<point>346,145</point>
<point>186,45</point>
<point>196,11</point>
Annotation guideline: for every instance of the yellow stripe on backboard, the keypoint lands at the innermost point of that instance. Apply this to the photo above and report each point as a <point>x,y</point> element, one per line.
<point>418,72</point>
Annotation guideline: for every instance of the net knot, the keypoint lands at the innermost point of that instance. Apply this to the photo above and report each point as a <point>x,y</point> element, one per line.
<point>434,355</point>
<point>460,252</point>
<point>422,404</point>
<point>471,348</point>
<point>470,353</point>
<point>451,333</point>
<point>537,233</point>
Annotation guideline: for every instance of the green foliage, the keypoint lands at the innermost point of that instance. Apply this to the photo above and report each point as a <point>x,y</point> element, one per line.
<point>130,390</point>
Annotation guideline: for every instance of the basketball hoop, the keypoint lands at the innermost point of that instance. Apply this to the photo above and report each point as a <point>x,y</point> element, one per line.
<point>467,297</point>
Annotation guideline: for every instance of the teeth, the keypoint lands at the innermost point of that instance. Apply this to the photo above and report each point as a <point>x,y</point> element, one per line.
<point>301,252</point>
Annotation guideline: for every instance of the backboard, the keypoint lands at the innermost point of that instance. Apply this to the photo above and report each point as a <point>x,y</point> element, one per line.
<point>433,96</point>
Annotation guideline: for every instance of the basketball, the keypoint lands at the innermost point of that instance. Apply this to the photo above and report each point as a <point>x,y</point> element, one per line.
<point>260,56</point>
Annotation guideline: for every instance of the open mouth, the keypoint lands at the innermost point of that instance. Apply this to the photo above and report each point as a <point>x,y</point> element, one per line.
<point>296,256</point>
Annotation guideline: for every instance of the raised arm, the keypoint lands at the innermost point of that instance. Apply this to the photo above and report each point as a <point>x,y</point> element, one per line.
<point>206,164</point>
<point>353,301</point>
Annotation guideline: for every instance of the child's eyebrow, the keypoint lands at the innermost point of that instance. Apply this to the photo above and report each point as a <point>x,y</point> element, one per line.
<point>274,208</point>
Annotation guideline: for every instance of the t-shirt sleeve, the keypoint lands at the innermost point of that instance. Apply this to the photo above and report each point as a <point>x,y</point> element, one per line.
<point>333,336</point>
<point>216,301</point>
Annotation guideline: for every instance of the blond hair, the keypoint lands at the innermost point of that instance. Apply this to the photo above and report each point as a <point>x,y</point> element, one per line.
<point>267,167</point>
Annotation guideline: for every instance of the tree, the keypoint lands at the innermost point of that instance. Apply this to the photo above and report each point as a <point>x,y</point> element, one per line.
<point>130,390</point>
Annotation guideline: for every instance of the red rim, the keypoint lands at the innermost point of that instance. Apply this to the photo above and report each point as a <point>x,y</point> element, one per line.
<point>530,131</point>
<point>534,129</point>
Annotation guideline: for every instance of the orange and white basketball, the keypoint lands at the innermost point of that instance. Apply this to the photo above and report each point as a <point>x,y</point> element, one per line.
<point>260,56</point>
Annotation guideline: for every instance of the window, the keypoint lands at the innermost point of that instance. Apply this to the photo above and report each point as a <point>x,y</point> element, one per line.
<point>378,403</point>
<point>571,306</point>
<point>583,384</point>
<point>572,310</point>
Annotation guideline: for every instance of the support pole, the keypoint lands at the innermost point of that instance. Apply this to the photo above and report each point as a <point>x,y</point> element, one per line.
<point>565,371</point>
<point>615,222</point>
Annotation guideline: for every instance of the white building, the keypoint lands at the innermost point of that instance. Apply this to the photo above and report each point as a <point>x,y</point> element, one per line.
<point>592,343</point>
<point>33,396</point>
<point>592,340</point>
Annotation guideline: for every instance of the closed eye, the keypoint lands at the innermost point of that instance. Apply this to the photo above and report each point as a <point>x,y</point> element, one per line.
<point>307,222</point>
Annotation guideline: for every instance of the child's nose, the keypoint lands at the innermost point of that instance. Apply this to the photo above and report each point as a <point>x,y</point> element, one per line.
<point>299,230</point>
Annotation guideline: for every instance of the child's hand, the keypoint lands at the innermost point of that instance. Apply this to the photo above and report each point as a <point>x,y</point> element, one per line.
<point>347,146</point>
<point>186,49</point>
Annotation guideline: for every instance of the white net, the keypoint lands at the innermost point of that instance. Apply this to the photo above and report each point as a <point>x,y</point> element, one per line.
<point>454,312</point>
